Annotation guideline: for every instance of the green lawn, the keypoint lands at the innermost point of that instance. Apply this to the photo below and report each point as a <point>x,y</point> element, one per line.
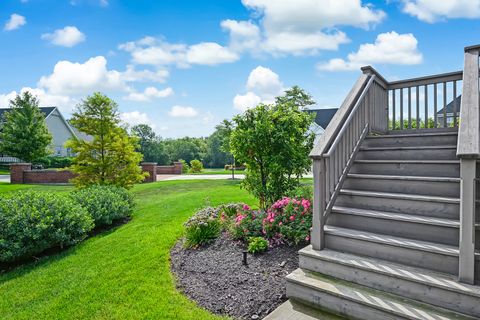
<point>4,171</point>
<point>121,274</point>
<point>217,171</point>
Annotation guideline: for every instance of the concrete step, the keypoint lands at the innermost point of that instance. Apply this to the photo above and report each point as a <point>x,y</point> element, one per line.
<point>410,226</point>
<point>435,186</point>
<point>418,284</point>
<point>432,168</point>
<point>295,310</point>
<point>448,152</point>
<point>416,253</point>
<point>406,140</point>
<point>359,302</point>
<point>431,206</point>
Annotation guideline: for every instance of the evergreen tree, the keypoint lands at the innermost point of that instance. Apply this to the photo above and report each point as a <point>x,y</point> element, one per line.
<point>24,133</point>
<point>109,158</point>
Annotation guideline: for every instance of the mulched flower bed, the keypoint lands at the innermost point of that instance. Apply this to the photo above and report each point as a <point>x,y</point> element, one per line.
<point>216,279</point>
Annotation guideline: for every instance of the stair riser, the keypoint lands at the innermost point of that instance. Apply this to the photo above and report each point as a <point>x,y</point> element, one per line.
<point>421,154</point>
<point>335,304</point>
<point>408,169</point>
<point>448,140</point>
<point>417,231</point>
<point>409,289</point>
<point>407,256</point>
<point>426,208</point>
<point>444,189</point>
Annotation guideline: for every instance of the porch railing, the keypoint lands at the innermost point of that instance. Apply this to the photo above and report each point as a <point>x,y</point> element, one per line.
<point>376,105</point>
<point>364,110</point>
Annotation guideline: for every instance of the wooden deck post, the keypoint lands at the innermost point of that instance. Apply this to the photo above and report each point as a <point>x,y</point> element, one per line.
<point>317,234</point>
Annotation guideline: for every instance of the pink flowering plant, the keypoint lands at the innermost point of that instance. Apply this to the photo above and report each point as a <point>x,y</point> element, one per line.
<point>289,220</point>
<point>247,223</point>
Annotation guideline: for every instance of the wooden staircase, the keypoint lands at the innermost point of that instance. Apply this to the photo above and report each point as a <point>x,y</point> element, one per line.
<point>395,231</point>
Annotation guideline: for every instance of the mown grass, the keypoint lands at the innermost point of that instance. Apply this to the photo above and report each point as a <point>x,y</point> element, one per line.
<point>123,273</point>
<point>217,171</point>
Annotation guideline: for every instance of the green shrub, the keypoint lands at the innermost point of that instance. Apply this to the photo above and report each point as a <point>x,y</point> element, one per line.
<point>105,203</point>
<point>248,223</point>
<point>185,166</point>
<point>203,227</point>
<point>301,192</point>
<point>55,162</point>
<point>196,166</point>
<point>31,222</point>
<point>257,245</point>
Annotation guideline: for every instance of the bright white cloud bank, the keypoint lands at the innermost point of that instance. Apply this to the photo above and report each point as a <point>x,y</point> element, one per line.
<point>263,85</point>
<point>434,10</point>
<point>389,48</point>
<point>15,22</point>
<point>135,117</point>
<point>66,37</point>
<point>183,112</point>
<point>149,93</point>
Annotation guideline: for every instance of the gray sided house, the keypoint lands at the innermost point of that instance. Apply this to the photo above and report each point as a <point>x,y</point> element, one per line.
<point>321,121</point>
<point>451,110</point>
<point>59,128</point>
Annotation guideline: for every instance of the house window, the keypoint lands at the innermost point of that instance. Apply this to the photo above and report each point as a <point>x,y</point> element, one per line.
<point>58,151</point>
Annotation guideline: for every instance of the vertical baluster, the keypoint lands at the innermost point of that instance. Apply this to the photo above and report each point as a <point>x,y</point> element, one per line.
<point>435,94</point>
<point>426,106</point>
<point>393,109</point>
<point>455,101</point>
<point>417,93</point>
<point>332,170</point>
<point>445,105</point>
<point>409,107</point>
<point>401,109</point>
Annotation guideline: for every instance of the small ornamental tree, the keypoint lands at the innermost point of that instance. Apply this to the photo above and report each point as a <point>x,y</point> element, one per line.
<point>109,157</point>
<point>24,133</point>
<point>274,142</point>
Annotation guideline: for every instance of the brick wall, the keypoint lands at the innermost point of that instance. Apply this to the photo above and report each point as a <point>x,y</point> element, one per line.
<point>175,169</point>
<point>47,176</point>
<point>151,168</point>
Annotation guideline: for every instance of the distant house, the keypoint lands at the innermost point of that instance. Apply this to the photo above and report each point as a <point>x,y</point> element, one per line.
<point>59,128</point>
<point>451,109</point>
<point>322,119</point>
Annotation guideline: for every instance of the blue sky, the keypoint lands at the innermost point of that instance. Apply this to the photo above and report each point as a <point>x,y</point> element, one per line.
<point>183,66</point>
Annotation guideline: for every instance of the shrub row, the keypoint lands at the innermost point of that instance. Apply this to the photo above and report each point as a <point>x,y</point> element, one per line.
<point>32,222</point>
<point>55,162</point>
<point>287,221</point>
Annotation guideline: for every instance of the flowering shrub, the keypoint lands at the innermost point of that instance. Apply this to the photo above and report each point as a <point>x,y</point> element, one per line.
<point>203,227</point>
<point>247,223</point>
<point>257,244</point>
<point>289,219</point>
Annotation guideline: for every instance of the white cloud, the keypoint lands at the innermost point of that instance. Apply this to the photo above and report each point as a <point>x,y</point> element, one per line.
<point>389,48</point>
<point>66,37</point>
<point>244,35</point>
<point>434,10</point>
<point>210,53</point>
<point>149,93</point>
<point>183,112</point>
<point>15,22</point>
<point>306,26</point>
<point>82,78</point>
<point>246,101</point>
<point>263,85</point>
<point>133,75</point>
<point>156,52</point>
<point>65,103</point>
<point>135,117</point>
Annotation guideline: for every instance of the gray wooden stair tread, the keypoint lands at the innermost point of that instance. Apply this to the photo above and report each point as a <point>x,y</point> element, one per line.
<point>397,216</point>
<point>295,310</point>
<point>409,161</point>
<point>395,270</point>
<point>407,135</point>
<point>394,177</point>
<point>393,241</point>
<point>408,148</point>
<point>376,299</point>
<point>402,196</point>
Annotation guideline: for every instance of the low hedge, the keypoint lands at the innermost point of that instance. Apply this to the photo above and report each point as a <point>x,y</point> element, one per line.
<point>31,222</point>
<point>105,203</point>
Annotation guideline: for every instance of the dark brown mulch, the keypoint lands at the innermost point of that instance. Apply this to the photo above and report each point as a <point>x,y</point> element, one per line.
<point>216,279</point>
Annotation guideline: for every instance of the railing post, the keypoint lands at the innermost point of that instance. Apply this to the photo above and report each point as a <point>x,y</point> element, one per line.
<point>466,270</point>
<point>319,189</point>
<point>468,150</point>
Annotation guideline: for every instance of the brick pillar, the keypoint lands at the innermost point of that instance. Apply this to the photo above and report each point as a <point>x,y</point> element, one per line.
<point>16,171</point>
<point>151,168</point>
<point>177,167</point>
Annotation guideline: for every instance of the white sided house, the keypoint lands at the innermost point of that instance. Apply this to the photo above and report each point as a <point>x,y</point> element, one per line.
<point>59,128</point>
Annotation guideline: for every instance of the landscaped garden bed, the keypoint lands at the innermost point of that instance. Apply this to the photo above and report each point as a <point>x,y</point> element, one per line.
<point>215,277</point>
